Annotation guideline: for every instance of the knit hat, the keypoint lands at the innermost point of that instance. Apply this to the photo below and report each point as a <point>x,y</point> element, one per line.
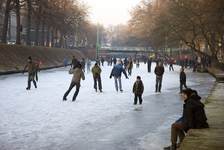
<point>96,64</point>
<point>29,57</point>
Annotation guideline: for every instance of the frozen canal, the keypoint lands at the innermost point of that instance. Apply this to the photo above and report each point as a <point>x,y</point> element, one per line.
<point>39,120</point>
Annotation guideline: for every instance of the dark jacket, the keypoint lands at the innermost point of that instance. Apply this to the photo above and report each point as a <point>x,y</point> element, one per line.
<point>83,63</point>
<point>116,71</point>
<point>182,77</point>
<point>74,61</point>
<point>159,70</point>
<point>96,70</point>
<point>149,62</point>
<point>31,67</point>
<point>138,87</point>
<point>115,61</point>
<point>194,114</point>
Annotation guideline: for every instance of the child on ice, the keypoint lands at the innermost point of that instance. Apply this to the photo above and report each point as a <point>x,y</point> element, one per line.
<point>138,89</point>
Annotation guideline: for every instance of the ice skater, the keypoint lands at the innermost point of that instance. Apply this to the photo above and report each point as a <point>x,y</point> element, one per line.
<point>31,72</point>
<point>159,70</point>
<point>182,79</point>
<point>138,89</point>
<point>88,64</point>
<point>116,73</point>
<point>96,70</point>
<point>77,75</point>
<point>83,63</point>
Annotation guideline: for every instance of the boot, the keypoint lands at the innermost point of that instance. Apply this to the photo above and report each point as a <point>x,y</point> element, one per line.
<point>100,90</point>
<point>64,99</point>
<point>96,90</point>
<point>174,146</point>
<point>27,88</point>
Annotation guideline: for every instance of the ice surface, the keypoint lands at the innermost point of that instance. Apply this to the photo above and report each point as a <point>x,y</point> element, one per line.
<point>39,119</point>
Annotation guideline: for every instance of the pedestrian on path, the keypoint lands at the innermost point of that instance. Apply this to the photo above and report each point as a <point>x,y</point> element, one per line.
<point>116,73</point>
<point>77,75</point>
<point>96,70</point>
<point>138,89</point>
<point>193,118</point>
<point>182,79</point>
<point>159,71</point>
<point>31,72</point>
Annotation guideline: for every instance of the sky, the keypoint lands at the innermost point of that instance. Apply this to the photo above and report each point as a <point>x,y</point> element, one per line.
<point>108,12</point>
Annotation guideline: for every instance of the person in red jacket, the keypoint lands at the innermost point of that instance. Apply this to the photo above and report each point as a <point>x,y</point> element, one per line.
<point>171,65</point>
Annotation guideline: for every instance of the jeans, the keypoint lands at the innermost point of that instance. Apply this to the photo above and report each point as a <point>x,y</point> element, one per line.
<point>31,77</point>
<point>177,130</point>
<point>159,81</point>
<point>115,80</point>
<point>70,88</point>
<point>97,78</point>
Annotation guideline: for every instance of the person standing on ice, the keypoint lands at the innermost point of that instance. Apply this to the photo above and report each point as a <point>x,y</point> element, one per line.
<point>31,72</point>
<point>182,79</point>
<point>149,64</point>
<point>96,70</point>
<point>159,70</point>
<point>77,75</point>
<point>116,73</point>
<point>138,89</point>
<point>129,66</point>
<point>74,62</point>
<point>83,63</point>
<point>88,65</point>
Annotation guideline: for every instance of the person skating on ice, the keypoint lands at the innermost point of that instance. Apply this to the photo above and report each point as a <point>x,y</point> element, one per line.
<point>31,72</point>
<point>182,79</point>
<point>116,73</point>
<point>159,70</point>
<point>77,75</point>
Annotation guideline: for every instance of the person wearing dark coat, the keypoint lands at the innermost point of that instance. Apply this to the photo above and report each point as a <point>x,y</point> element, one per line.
<point>149,64</point>
<point>74,62</point>
<point>115,61</point>
<point>129,66</point>
<point>159,70</point>
<point>31,72</point>
<point>182,79</point>
<point>102,61</point>
<point>193,118</point>
<point>138,89</point>
<point>83,63</point>
<point>125,64</point>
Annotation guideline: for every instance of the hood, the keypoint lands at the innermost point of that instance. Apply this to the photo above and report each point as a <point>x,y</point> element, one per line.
<point>195,100</point>
<point>77,70</point>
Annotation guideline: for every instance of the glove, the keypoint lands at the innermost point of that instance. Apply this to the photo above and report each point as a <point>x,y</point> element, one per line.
<point>110,77</point>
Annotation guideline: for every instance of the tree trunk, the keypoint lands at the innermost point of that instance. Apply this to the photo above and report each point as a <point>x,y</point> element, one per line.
<point>56,35</point>
<point>28,23</point>
<point>36,42</point>
<point>60,41</point>
<point>47,43</point>
<point>17,23</point>
<point>5,26</point>
<point>52,38</point>
<point>65,42</point>
<point>42,33</point>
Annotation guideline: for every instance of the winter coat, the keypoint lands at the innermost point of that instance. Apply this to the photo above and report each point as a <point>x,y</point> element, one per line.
<point>130,64</point>
<point>115,60</point>
<point>83,63</point>
<point>116,71</point>
<point>96,70</point>
<point>77,75</point>
<point>159,70</point>
<point>65,61</point>
<point>138,87</point>
<point>194,114</point>
<point>74,61</point>
<point>31,67</point>
<point>149,62</point>
<point>125,62</point>
<point>182,77</point>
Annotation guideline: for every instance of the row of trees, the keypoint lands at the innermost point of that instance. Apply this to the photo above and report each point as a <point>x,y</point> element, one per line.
<point>195,23</point>
<point>68,17</point>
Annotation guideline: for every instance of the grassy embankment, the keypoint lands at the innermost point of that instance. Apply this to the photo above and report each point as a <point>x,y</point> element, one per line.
<point>14,57</point>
